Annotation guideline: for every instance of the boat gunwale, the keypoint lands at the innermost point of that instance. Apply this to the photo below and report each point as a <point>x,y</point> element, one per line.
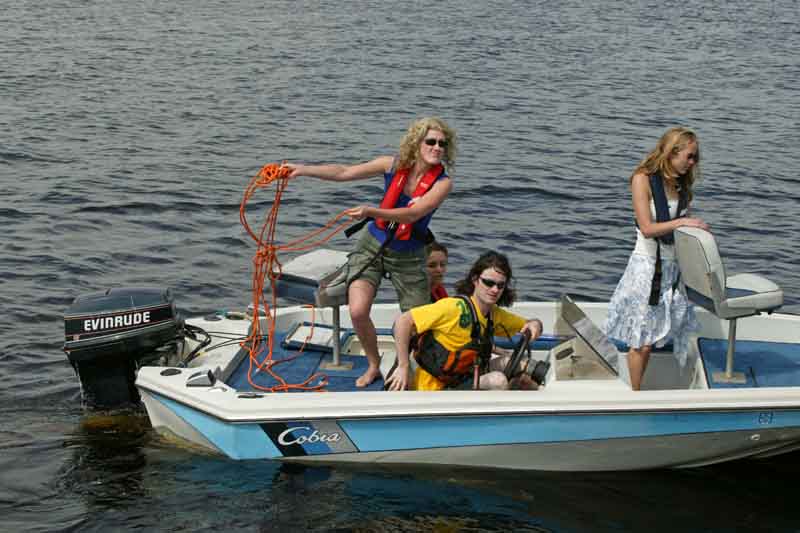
<point>439,404</point>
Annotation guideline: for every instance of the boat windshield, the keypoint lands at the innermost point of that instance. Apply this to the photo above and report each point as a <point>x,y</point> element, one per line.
<point>590,354</point>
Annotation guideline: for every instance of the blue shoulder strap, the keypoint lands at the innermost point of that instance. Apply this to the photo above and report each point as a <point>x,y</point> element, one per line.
<point>662,207</point>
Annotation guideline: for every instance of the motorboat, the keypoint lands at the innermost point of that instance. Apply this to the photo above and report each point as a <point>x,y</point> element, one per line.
<point>288,393</point>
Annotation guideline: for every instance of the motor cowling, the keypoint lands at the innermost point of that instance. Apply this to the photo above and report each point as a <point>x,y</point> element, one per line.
<point>109,334</point>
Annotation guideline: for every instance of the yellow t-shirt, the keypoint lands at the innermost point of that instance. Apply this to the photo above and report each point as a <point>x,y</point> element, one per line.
<point>451,322</point>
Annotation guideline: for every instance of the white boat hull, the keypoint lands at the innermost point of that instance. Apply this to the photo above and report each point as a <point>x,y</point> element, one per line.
<point>569,425</point>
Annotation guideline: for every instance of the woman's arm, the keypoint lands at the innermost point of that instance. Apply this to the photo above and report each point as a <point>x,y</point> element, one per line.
<point>376,167</point>
<point>408,215</point>
<point>640,187</point>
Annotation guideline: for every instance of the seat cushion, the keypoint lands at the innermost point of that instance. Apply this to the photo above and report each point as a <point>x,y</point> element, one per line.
<point>748,294</point>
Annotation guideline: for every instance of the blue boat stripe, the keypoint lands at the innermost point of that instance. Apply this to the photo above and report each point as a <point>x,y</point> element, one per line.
<point>238,441</point>
<point>423,433</point>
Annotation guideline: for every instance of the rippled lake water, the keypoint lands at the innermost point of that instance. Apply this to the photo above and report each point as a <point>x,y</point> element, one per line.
<point>128,134</point>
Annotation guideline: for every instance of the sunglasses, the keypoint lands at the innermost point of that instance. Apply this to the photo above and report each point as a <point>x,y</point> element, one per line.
<point>492,283</point>
<point>432,142</point>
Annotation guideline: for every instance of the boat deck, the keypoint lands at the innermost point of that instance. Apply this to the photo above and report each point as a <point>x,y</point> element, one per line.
<point>765,364</point>
<point>295,367</point>
<point>296,364</point>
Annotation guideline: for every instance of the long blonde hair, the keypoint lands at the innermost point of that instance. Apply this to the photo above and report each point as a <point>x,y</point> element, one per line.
<point>409,145</point>
<point>658,160</point>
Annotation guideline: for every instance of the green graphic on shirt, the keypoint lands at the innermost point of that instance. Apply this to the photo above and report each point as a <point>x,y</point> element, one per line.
<point>465,320</point>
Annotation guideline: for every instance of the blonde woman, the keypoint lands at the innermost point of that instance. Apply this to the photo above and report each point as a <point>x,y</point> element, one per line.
<point>648,308</point>
<point>416,182</point>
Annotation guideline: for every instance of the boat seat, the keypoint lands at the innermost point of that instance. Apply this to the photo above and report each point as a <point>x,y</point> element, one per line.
<point>318,278</point>
<point>728,297</point>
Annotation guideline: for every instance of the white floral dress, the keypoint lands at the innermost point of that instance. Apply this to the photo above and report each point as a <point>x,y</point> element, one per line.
<point>632,320</point>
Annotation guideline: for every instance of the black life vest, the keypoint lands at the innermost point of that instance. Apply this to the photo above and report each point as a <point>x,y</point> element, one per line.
<point>453,367</point>
<point>662,204</point>
<point>662,215</point>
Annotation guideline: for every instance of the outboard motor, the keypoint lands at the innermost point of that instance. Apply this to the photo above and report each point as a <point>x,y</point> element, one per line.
<point>110,334</point>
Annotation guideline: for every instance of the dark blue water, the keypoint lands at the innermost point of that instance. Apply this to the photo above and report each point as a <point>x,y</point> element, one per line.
<point>128,132</point>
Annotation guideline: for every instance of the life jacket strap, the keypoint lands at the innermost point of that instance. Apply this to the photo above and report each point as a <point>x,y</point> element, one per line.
<point>662,204</point>
<point>655,284</point>
<point>662,215</point>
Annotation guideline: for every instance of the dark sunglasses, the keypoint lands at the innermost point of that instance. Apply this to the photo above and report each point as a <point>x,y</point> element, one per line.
<point>432,142</point>
<point>491,283</point>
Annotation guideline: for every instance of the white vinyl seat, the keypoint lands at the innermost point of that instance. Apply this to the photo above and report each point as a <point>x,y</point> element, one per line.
<point>728,297</point>
<point>315,278</point>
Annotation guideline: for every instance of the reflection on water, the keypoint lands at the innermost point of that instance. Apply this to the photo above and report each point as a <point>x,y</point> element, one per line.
<point>108,460</point>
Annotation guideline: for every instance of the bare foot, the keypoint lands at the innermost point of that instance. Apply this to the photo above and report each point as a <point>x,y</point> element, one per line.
<point>368,377</point>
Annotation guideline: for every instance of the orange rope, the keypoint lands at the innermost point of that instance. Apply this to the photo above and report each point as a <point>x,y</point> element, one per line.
<point>266,265</point>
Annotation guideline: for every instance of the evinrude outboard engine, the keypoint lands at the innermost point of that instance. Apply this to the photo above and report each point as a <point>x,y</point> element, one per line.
<point>110,334</point>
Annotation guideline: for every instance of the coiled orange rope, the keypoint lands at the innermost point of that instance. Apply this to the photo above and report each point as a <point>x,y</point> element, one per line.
<point>266,265</point>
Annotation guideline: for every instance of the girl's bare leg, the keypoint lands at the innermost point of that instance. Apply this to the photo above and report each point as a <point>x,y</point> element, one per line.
<point>637,364</point>
<point>360,296</point>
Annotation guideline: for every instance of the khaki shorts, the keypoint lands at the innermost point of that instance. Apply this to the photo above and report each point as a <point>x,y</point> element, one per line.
<point>407,270</point>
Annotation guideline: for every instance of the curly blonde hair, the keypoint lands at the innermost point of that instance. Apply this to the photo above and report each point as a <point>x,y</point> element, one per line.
<point>409,145</point>
<point>658,160</point>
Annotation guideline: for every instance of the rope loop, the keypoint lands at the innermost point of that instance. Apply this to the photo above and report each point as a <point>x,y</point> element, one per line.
<point>266,265</point>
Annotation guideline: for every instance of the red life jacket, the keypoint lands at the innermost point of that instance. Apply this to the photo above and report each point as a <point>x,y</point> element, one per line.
<point>394,191</point>
<point>438,292</point>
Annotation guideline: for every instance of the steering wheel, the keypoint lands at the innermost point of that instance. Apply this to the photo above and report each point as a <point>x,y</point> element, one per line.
<point>513,365</point>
